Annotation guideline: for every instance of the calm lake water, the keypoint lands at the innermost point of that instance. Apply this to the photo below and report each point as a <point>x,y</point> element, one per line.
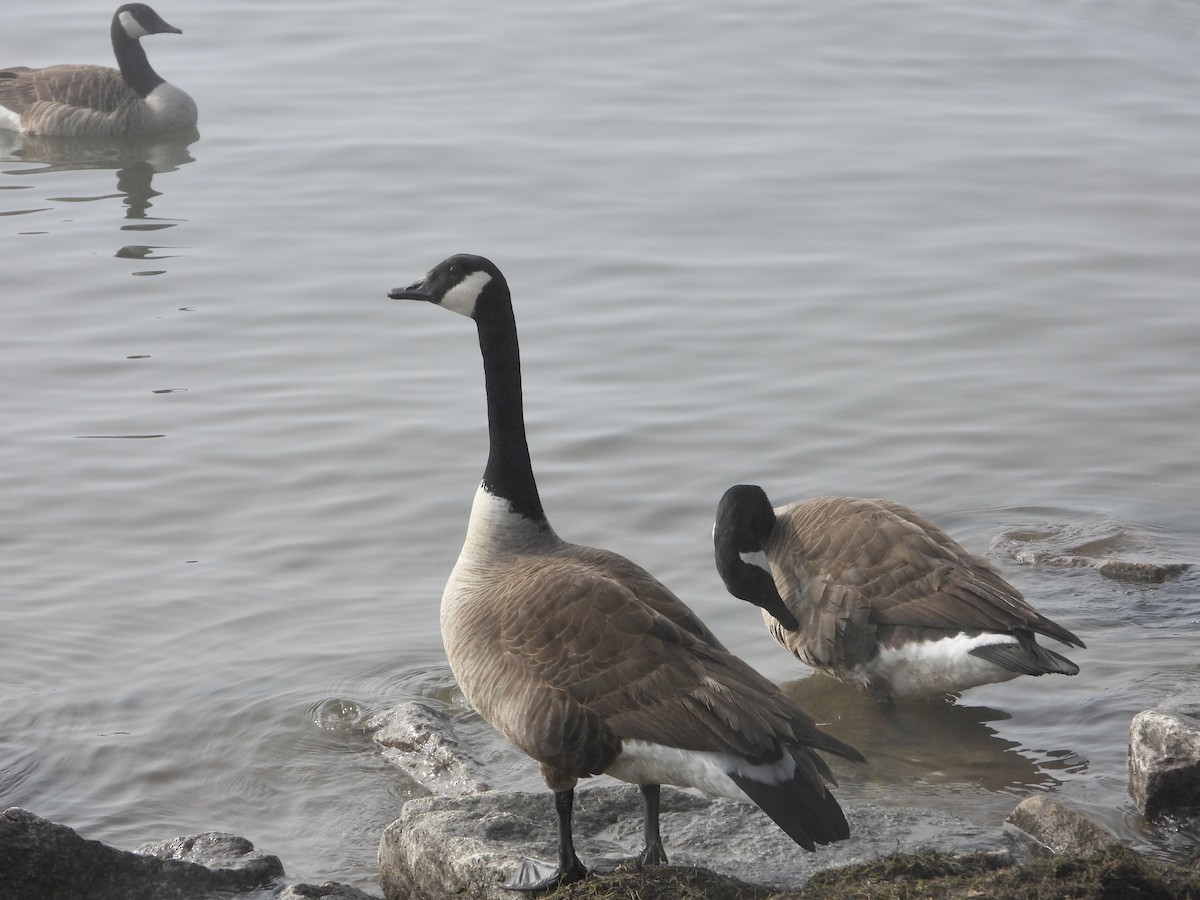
<point>943,255</point>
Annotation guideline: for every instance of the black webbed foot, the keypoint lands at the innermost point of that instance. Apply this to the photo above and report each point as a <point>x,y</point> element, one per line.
<point>534,876</point>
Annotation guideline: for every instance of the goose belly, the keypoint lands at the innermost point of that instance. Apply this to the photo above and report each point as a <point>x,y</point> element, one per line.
<point>9,120</point>
<point>643,762</point>
<point>928,668</point>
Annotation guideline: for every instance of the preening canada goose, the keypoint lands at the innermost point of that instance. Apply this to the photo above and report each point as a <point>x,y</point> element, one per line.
<point>78,100</point>
<point>878,596</point>
<point>586,662</point>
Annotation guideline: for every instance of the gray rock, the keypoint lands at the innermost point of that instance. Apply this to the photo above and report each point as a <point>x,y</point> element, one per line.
<point>220,852</point>
<point>1059,827</point>
<point>330,890</point>
<point>421,739</point>
<point>41,860</point>
<point>1164,762</point>
<point>469,845</point>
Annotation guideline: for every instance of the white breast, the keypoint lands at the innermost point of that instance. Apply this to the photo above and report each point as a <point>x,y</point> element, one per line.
<point>171,108</point>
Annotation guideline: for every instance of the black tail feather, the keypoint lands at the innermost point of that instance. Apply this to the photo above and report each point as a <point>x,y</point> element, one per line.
<point>1027,657</point>
<point>802,807</point>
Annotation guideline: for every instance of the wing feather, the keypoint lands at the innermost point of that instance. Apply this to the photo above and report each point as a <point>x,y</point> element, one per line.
<point>596,651</point>
<point>882,564</point>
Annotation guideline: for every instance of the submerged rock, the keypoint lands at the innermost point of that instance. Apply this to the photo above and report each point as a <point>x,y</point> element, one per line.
<point>469,845</point>
<point>1164,762</point>
<point>1059,827</point>
<point>420,739</point>
<point>330,890</point>
<point>1148,572</point>
<point>1072,545</point>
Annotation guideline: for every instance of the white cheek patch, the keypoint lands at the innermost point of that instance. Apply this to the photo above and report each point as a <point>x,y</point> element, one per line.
<point>132,26</point>
<point>462,297</point>
<point>757,558</point>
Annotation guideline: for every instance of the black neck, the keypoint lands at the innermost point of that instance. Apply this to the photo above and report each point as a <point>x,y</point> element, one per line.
<point>509,473</point>
<point>131,59</point>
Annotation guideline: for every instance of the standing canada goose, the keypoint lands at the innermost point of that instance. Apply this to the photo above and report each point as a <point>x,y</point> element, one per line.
<point>586,662</point>
<point>82,100</point>
<point>878,596</point>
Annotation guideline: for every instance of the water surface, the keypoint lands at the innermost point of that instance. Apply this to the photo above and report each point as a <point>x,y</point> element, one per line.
<point>943,256</point>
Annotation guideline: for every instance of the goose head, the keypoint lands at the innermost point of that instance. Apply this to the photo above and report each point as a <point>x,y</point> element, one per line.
<point>465,284</point>
<point>139,20</point>
<point>745,520</point>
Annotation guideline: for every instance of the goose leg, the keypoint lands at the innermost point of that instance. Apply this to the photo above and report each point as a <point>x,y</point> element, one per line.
<point>653,854</point>
<point>534,875</point>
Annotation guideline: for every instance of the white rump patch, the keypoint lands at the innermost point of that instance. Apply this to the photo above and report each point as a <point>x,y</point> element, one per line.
<point>132,26</point>
<point>924,668</point>
<point>642,762</point>
<point>462,297</point>
<point>757,558</point>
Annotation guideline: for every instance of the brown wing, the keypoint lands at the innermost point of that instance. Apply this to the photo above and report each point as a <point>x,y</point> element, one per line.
<point>100,88</point>
<point>599,658</point>
<point>852,565</point>
<point>837,627</point>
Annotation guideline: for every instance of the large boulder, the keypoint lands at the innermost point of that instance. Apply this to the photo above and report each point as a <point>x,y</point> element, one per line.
<point>469,845</point>
<point>41,860</point>
<point>1164,761</point>
<point>1060,828</point>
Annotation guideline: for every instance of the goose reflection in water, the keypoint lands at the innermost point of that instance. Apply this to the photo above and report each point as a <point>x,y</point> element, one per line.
<point>136,159</point>
<point>928,748</point>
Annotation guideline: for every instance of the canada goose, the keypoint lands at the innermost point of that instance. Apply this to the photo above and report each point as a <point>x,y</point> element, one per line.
<point>586,662</point>
<point>878,596</point>
<point>77,100</point>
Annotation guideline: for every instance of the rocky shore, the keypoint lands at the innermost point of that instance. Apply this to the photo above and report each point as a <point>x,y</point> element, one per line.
<point>464,839</point>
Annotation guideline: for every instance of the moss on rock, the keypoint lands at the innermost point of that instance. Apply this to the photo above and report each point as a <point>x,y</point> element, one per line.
<point>1115,873</point>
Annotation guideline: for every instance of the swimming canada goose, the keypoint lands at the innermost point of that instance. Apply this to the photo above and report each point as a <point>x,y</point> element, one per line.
<point>78,100</point>
<point>587,663</point>
<point>878,596</point>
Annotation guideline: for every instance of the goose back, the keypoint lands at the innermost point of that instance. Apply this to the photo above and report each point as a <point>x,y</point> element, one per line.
<point>907,570</point>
